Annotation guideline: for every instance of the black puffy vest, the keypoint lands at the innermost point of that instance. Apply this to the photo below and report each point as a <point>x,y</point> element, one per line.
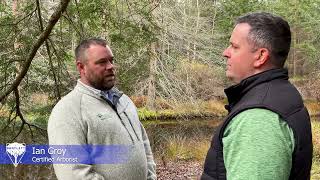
<point>270,90</point>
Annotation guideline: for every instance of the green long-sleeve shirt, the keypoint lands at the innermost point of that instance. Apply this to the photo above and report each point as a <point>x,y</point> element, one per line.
<point>258,145</point>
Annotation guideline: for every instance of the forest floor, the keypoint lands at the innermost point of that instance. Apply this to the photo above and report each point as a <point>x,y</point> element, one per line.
<point>180,170</point>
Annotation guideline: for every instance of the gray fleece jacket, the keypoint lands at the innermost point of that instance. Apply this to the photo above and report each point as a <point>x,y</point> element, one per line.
<point>84,117</point>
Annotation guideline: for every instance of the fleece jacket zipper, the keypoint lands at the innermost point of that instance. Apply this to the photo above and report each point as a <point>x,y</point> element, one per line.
<point>115,109</point>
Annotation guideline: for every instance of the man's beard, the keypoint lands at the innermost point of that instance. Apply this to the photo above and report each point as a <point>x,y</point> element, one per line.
<point>101,83</point>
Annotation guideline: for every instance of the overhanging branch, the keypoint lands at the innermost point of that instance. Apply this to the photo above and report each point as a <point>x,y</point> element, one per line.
<point>43,36</point>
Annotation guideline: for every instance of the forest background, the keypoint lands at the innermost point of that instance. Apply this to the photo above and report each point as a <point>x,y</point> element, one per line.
<point>168,60</point>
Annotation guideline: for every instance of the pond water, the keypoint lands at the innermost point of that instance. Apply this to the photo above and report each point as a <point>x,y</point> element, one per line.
<point>159,132</point>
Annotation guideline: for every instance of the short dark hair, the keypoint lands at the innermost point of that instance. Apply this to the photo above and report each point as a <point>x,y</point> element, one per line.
<point>271,32</point>
<point>80,51</point>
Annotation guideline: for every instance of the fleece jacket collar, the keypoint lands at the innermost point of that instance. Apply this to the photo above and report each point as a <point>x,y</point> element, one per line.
<point>88,90</point>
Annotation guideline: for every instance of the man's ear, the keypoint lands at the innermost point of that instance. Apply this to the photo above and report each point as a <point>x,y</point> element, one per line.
<point>262,57</point>
<point>80,66</point>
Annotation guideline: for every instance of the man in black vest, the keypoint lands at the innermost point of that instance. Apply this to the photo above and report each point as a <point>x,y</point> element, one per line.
<point>267,133</point>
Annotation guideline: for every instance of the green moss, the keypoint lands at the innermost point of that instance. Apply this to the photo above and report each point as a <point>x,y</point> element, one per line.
<point>145,114</point>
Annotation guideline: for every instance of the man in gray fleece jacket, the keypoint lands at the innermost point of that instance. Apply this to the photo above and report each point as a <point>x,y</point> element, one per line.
<point>96,113</point>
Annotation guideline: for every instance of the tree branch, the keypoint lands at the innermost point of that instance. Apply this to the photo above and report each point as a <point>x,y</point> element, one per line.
<point>43,36</point>
<point>20,20</point>
<point>66,16</point>
<point>57,92</point>
<point>19,113</point>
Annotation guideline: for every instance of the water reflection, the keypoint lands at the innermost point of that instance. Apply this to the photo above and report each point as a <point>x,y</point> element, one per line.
<point>162,132</point>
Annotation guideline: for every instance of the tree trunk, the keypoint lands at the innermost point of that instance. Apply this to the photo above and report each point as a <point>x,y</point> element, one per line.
<point>152,77</point>
<point>196,31</point>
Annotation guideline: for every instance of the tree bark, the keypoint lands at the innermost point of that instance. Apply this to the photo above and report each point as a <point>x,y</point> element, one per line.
<point>151,86</point>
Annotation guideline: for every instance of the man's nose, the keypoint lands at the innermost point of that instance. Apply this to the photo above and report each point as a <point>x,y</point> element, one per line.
<point>226,53</point>
<point>109,65</point>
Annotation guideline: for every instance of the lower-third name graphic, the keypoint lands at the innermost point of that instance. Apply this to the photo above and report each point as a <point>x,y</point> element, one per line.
<point>54,160</point>
<point>50,150</point>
